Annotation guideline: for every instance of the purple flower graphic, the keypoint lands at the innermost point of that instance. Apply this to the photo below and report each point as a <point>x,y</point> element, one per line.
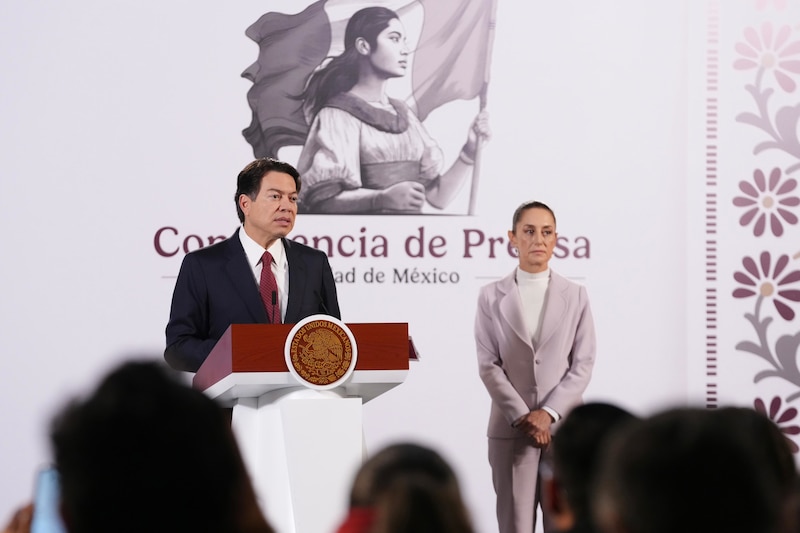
<point>770,50</point>
<point>767,283</point>
<point>782,420</point>
<point>767,200</point>
<point>763,4</point>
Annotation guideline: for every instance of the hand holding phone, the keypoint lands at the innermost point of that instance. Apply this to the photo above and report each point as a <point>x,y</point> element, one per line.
<point>21,520</point>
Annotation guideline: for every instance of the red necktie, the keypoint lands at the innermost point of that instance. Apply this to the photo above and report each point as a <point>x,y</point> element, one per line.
<point>269,289</point>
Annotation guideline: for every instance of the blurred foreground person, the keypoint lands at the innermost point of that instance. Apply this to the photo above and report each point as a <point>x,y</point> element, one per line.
<point>406,488</point>
<point>145,452</point>
<point>697,470</point>
<point>574,461</point>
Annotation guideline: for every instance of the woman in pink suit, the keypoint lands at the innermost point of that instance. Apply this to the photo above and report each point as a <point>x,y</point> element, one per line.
<point>536,346</point>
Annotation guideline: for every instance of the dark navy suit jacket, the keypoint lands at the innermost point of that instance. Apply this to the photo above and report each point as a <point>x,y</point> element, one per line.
<point>215,288</point>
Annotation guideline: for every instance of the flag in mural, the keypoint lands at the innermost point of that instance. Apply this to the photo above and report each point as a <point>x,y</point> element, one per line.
<point>451,61</point>
<point>290,48</point>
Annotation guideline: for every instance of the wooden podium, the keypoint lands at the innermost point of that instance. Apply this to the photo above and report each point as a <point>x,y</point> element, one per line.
<point>302,444</point>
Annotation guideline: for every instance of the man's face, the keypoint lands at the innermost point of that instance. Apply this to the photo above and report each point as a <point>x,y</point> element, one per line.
<point>271,215</point>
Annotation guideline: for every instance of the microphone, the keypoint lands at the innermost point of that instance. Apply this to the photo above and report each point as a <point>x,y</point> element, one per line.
<point>321,302</point>
<point>274,304</point>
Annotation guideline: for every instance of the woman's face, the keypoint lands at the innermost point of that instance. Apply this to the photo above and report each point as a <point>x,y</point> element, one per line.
<point>390,56</point>
<point>535,237</point>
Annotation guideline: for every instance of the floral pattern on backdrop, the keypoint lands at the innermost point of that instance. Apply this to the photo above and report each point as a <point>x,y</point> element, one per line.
<point>767,206</point>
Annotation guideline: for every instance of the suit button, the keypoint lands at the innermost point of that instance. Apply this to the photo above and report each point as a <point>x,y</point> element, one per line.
<point>536,361</point>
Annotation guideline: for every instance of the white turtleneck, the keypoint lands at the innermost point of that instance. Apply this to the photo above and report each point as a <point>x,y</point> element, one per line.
<point>532,291</point>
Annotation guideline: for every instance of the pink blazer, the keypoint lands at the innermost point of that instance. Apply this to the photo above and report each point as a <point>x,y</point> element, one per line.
<point>519,378</point>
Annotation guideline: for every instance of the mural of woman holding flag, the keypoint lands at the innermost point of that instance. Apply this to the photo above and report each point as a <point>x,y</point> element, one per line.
<point>320,83</point>
<point>366,152</point>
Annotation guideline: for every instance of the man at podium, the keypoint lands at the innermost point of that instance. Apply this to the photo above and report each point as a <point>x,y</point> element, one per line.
<point>255,276</point>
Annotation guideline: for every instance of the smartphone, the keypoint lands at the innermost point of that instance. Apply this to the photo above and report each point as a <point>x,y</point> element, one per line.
<point>46,498</point>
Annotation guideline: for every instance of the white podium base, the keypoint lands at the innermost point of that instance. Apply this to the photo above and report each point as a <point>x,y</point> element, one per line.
<point>302,448</point>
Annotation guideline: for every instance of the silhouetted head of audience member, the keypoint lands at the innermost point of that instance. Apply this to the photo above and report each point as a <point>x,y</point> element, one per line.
<point>145,452</point>
<point>771,449</point>
<point>573,462</point>
<point>692,470</point>
<point>406,488</point>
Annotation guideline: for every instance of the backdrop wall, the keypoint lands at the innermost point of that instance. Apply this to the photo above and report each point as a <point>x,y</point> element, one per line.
<point>122,137</point>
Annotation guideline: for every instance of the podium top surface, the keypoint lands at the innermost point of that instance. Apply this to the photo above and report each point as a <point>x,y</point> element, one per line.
<point>259,348</point>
